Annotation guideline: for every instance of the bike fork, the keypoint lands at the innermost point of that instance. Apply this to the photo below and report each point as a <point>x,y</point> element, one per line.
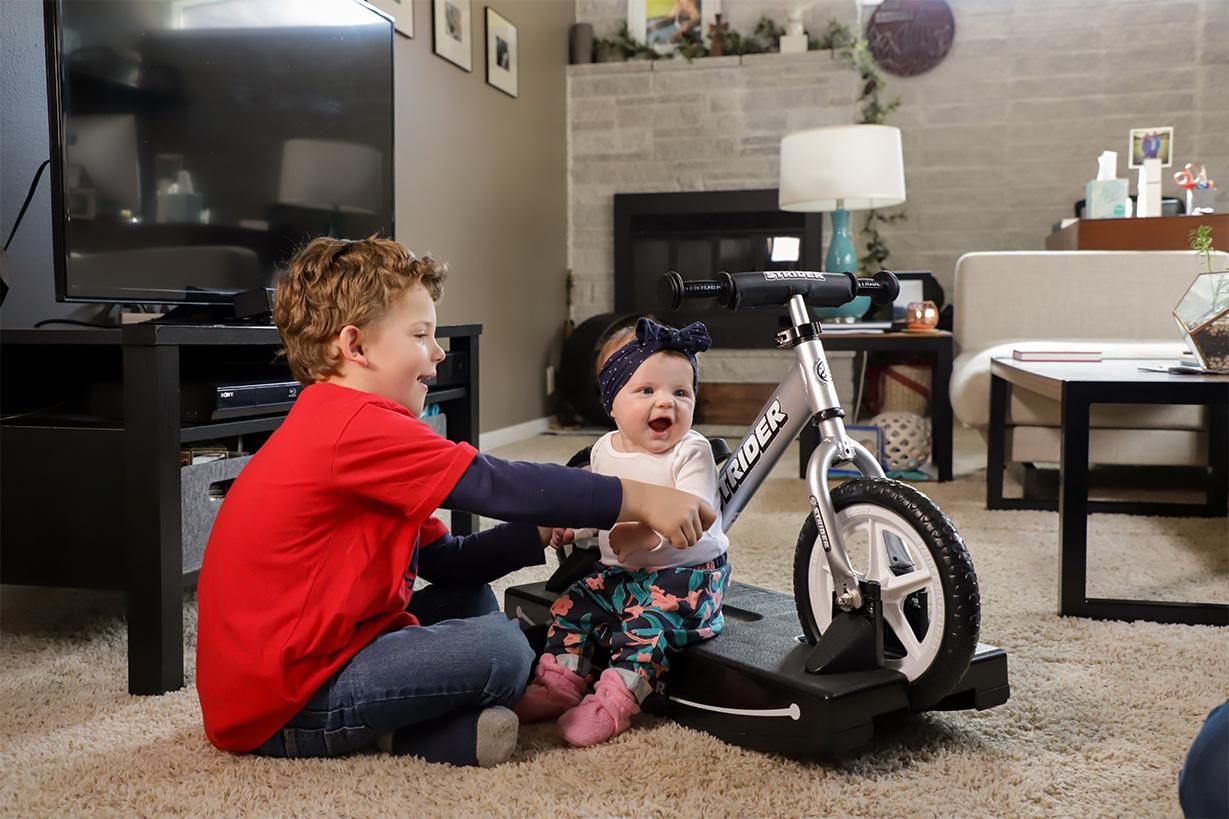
<point>853,640</point>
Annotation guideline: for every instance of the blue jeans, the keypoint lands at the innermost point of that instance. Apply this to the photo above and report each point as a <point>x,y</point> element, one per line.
<point>1203,783</point>
<point>464,657</point>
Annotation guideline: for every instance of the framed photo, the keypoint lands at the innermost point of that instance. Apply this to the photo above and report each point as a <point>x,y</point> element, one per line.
<point>502,54</point>
<point>1151,143</point>
<point>663,24</point>
<point>452,32</point>
<point>402,12</point>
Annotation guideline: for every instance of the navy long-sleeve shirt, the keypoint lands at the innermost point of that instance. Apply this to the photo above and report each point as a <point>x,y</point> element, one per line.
<point>527,495</point>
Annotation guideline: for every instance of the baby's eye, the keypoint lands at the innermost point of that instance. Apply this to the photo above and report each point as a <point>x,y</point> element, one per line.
<point>646,390</point>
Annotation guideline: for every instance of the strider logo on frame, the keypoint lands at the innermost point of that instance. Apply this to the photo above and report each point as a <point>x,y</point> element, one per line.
<point>740,463</point>
<point>821,371</point>
<point>819,525</point>
<point>782,275</point>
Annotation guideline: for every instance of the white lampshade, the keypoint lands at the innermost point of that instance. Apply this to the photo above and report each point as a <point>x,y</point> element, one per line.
<point>855,167</point>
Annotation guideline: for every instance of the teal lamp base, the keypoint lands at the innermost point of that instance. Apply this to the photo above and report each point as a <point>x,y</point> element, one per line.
<point>842,259</point>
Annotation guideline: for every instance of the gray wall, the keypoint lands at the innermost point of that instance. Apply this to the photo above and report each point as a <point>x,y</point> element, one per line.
<point>481,182</point>
<point>999,139</point>
<point>23,145</point>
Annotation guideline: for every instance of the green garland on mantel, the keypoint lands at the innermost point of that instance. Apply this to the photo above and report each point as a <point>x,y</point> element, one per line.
<point>765,39</point>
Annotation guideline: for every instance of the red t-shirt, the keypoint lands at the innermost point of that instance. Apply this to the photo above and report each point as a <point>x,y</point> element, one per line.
<point>309,559</point>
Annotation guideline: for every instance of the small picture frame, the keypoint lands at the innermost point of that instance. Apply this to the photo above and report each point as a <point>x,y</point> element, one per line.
<point>663,24</point>
<point>402,12</point>
<point>452,30</point>
<point>1151,143</point>
<point>502,53</point>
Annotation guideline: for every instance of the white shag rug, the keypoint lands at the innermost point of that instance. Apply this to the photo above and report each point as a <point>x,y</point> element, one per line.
<point>1099,719</point>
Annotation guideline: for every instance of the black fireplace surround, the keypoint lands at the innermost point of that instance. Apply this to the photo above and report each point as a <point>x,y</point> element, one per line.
<point>700,234</point>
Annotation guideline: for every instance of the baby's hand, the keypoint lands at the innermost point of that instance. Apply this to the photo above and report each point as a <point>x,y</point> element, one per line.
<point>627,539</point>
<point>556,538</point>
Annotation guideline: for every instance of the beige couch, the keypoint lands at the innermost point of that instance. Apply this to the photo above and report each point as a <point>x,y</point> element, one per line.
<point>1117,302</point>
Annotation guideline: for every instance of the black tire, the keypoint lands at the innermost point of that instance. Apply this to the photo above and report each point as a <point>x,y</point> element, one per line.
<point>957,579</point>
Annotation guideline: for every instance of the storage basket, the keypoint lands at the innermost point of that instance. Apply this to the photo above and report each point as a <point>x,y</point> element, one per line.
<point>905,388</point>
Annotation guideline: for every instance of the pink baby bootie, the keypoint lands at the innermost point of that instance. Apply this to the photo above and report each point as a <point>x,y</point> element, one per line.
<point>553,690</point>
<point>605,713</point>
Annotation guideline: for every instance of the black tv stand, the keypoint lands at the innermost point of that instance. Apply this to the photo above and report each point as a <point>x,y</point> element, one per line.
<point>99,503</point>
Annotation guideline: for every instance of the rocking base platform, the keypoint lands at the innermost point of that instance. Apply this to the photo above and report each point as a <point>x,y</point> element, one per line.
<point>750,686</point>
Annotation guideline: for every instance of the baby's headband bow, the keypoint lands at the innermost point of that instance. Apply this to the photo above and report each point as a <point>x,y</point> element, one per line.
<point>651,338</point>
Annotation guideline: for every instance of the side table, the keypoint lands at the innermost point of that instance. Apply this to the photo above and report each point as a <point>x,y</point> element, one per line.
<point>1077,386</point>
<point>939,346</point>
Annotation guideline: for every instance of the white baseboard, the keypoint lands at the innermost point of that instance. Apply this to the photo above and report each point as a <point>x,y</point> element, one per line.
<point>512,434</point>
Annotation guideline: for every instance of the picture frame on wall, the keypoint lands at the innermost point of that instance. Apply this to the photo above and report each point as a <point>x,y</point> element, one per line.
<point>663,24</point>
<point>452,32</point>
<point>402,12</point>
<point>1151,143</point>
<point>502,53</point>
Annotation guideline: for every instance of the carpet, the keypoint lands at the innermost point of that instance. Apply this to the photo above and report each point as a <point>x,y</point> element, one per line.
<point>1100,716</point>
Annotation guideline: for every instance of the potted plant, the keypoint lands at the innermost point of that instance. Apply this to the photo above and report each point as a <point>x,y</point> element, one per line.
<point>1203,312</point>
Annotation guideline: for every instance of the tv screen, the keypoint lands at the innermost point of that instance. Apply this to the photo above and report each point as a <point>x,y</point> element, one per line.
<point>197,143</point>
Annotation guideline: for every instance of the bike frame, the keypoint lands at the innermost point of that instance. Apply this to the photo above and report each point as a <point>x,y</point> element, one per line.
<point>805,395</point>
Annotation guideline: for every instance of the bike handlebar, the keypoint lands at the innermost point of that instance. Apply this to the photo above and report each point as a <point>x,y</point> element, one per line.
<point>776,287</point>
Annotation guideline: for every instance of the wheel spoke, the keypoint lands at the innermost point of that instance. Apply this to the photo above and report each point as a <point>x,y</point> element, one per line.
<point>877,570</point>
<point>896,589</point>
<point>896,619</point>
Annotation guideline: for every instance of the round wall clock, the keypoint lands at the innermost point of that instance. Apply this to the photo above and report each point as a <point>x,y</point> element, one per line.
<point>910,37</point>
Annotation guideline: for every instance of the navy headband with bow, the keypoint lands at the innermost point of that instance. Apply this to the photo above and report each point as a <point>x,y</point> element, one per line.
<point>651,338</point>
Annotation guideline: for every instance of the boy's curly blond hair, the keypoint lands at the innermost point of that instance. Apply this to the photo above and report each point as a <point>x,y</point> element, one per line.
<point>332,283</point>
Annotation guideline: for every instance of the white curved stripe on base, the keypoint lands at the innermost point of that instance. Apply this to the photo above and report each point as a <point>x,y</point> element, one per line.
<point>793,712</point>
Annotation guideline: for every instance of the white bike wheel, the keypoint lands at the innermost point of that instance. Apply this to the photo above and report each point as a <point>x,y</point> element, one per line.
<point>896,536</point>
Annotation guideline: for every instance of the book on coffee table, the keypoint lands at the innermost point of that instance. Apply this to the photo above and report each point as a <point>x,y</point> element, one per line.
<point>1056,355</point>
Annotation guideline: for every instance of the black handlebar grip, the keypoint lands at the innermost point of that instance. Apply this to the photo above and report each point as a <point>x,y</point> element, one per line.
<point>672,289</point>
<point>883,287</point>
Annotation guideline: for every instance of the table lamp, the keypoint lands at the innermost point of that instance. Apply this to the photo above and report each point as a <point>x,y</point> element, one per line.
<point>839,169</point>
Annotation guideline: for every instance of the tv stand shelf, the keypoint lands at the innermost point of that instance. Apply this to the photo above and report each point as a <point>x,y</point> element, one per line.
<point>98,504</point>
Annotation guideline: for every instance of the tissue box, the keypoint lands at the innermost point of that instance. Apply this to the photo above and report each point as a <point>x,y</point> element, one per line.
<point>1106,199</point>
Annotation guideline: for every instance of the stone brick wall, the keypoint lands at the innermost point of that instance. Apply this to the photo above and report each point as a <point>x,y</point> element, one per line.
<point>999,139</point>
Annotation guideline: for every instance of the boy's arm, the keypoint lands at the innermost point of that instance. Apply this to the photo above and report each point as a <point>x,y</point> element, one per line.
<point>481,557</point>
<point>541,494</point>
<point>551,495</point>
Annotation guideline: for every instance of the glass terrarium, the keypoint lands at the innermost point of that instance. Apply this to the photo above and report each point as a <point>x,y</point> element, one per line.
<point>1203,315</point>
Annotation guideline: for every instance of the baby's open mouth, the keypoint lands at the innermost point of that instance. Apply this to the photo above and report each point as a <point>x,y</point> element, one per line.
<point>660,424</point>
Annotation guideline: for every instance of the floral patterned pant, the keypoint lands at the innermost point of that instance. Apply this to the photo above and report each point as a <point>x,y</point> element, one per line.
<point>641,615</point>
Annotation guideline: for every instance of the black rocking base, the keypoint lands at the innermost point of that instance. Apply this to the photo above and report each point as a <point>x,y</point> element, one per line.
<point>750,686</point>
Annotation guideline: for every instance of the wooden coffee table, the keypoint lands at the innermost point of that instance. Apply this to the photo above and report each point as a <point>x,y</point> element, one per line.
<point>1078,385</point>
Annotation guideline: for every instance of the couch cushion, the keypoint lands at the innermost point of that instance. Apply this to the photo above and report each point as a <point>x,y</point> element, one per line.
<point>970,384</point>
<point>1118,447</point>
<point>1129,295</point>
<point>1031,409</point>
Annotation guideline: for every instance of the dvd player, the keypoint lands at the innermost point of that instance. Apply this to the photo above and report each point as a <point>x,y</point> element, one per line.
<point>205,400</point>
<point>222,401</point>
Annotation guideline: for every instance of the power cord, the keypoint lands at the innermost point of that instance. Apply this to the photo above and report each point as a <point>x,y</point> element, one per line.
<point>29,195</point>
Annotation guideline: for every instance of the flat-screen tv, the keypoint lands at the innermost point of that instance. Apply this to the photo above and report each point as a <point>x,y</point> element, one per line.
<point>195,144</point>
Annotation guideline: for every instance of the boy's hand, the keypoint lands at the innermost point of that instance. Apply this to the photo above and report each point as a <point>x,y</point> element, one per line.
<point>679,516</point>
<point>627,539</point>
<point>556,538</point>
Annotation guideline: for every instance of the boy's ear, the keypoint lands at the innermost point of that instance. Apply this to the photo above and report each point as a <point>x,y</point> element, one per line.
<point>350,345</point>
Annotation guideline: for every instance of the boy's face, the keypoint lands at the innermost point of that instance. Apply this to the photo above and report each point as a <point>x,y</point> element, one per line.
<point>655,407</point>
<point>401,350</point>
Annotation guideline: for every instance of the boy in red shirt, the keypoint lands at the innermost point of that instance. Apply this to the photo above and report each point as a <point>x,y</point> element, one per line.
<point>311,641</point>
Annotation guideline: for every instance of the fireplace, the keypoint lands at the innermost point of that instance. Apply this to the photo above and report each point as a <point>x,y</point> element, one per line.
<point>700,234</point>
